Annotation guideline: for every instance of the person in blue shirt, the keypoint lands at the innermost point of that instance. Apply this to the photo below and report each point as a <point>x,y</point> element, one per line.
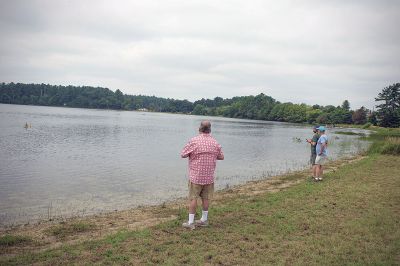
<point>322,153</point>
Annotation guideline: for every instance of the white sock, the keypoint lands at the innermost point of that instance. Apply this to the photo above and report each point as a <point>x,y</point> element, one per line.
<point>204,216</point>
<point>191,218</point>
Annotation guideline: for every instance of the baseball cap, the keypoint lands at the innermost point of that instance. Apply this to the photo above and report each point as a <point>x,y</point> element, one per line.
<point>321,128</point>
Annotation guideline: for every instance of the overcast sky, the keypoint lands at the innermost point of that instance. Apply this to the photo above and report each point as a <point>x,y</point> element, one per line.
<point>316,52</point>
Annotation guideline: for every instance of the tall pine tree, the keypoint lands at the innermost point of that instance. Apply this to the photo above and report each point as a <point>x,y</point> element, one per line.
<point>388,112</point>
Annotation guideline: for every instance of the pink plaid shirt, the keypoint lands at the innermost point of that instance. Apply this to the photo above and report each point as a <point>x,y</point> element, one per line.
<point>203,151</point>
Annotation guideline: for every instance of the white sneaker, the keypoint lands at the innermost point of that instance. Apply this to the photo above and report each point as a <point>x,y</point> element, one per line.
<point>201,223</point>
<point>188,225</point>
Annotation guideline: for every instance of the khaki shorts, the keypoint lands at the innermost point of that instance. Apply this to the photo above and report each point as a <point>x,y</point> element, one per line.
<point>321,160</point>
<point>200,191</point>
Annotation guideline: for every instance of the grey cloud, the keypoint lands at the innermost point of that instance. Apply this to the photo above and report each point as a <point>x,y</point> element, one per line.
<point>299,51</point>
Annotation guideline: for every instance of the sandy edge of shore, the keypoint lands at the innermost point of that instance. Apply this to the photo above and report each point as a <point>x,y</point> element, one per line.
<point>144,217</point>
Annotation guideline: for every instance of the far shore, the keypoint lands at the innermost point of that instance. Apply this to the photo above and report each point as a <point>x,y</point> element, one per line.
<point>349,126</point>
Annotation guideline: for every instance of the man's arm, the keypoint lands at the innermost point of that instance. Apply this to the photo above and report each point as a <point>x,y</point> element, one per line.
<point>220,155</point>
<point>187,150</point>
<point>313,143</point>
<point>323,146</point>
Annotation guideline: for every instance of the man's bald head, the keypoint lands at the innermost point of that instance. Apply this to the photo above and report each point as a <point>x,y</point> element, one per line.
<point>205,127</point>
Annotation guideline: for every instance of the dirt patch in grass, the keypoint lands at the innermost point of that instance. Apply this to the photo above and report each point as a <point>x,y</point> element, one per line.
<point>63,230</point>
<point>54,234</point>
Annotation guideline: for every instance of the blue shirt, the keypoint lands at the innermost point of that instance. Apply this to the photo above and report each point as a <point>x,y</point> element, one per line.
<point>322,139</point>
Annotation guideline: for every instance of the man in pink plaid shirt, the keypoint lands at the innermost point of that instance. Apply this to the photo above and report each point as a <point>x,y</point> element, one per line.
<point>203,152</point>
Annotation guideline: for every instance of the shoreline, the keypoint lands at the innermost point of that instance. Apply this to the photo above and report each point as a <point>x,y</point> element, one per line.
<point>105,224</point>
<point>63,218</point>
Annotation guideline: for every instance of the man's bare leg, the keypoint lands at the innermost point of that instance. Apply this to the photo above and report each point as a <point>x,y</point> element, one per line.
<point>192,210</point>
<point>204,213</point>
<point>314,171</point>
<point>204,204</point>
<point>193,206</point>
<point>319,172</point>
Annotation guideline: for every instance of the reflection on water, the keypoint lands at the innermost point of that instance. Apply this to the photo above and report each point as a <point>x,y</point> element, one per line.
<point>79,161</point>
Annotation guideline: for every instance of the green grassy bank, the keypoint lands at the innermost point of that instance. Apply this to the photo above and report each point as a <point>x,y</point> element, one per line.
<point>352,217</point>
<point>385,141</point>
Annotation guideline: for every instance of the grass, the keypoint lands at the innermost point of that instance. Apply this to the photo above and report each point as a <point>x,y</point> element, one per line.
<point>63,230</point>
<point>13,240</point>
<point>385,141</point>
<point>392,146</point>
<point>352,217</point>
<point>380,133</point>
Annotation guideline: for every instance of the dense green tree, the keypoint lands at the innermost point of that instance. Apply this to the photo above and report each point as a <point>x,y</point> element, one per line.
<point>346,105</point>
<point>86,97</point>
<point>359,116</point>
<point>372,118</point>
<point>200,109</point>
<point>260,107</point>
<point>312,115</point>
<point>340,116</point>
<point>388,112</point>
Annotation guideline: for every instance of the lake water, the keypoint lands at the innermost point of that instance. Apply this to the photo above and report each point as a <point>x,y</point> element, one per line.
<point>80,161</point>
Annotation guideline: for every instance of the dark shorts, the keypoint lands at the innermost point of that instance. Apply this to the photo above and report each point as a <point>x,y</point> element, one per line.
<point>312,159</point>
<point>200,191</point>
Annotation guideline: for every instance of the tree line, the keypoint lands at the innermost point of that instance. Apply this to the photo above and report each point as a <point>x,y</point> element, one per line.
<point>261,106</point>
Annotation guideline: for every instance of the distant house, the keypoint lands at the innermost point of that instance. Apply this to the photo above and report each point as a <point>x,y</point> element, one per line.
<point>143,109</point>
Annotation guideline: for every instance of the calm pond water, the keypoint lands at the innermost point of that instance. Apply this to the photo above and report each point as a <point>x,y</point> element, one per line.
<point>81,161</point>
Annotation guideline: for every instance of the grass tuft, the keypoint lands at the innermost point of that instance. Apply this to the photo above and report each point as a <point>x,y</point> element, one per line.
<point>385,141</point>
<point>391,146</point>
<point>13,240</point>
<point>64,230</point>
